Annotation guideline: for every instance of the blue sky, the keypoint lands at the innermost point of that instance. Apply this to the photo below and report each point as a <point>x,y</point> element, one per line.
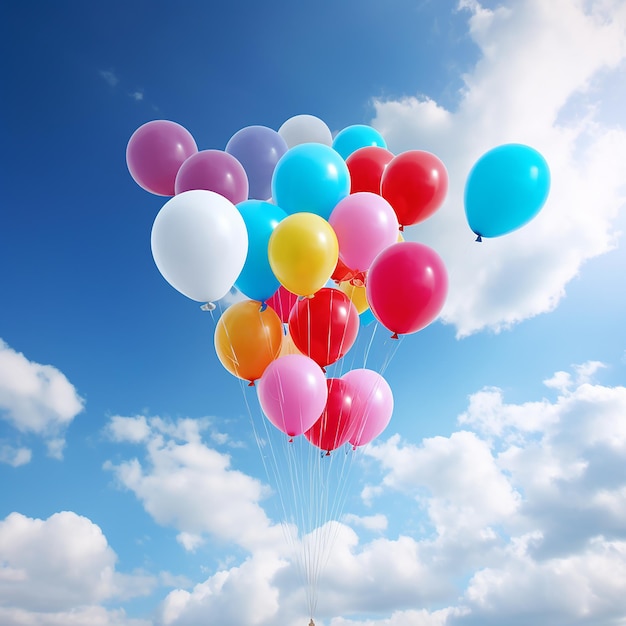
<point>132,491</point>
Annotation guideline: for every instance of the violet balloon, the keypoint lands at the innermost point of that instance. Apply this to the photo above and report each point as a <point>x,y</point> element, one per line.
<point>293,393</point>
<point>213,170</point>
<point>155,153</point>
<point>372,405</point>
<point>365,224</point>
<point>258,149</point>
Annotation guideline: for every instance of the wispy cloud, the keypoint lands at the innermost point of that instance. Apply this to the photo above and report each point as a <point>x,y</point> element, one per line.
<point>109,77</point>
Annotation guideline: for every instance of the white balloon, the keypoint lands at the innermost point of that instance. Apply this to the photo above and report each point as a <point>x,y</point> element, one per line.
<point>199,244</point>
<point>305,129</point>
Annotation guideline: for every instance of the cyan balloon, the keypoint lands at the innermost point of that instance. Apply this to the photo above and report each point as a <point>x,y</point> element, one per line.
<point>257,281</point>
<point>505,189</point>
<point>310,178</point>
<point>351,138</point>
<point>367,317</point>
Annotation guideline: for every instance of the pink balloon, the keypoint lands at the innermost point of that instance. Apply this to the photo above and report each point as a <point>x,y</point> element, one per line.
<point>155,153</point>
<point>293,393</point>
<point>372,404</point>
<point>406,286</point>
<point>365,224</point>
<point>213,170</point>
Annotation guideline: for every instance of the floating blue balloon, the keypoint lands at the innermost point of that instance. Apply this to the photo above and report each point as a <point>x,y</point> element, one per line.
<point>351,138</point>
<point>367,317</point>
<point>257,281</point>
<point>310,178</point>
<point>505,189</point>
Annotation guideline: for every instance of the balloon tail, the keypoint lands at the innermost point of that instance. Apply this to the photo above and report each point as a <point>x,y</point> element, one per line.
<point>394,336</point>
<point>478,238</point>
<point>208,306</point>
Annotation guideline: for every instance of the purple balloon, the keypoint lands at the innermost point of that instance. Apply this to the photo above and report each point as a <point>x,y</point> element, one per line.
<point>258,149</point>
<point>213,170</point>
<point>155,153</point>
<point>372,404</point>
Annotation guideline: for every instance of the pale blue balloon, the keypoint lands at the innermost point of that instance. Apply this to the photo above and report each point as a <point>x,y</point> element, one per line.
<point>310,178</point>
<point>505,189</point>
<point>367,317</point>
<point>352,138</point>
<point>257,281</point>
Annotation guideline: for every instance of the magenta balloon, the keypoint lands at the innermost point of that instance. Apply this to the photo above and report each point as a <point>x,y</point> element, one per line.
<point>258,149</point>
<point>365,224</point>
<point>155,153</point>
<point>372,404</point>
<point>214,170</point>
<point>293,393</point>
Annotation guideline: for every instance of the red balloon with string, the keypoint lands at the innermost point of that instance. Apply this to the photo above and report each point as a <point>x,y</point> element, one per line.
<point>415,183</point>
<point>335,426</point>
<point>325,326</point>
<point>406,287</point>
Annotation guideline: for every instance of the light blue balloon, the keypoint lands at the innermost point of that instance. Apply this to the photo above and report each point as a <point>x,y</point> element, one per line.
<point>310,178</point>
<point>505,189</point>
<point>257,281</point>
<point>367,317</point>
<point>351,138</point>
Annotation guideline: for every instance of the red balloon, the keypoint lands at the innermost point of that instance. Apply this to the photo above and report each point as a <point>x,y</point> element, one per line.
<point>335,426</point>
<point>406,287</point>
<point>415,183</point>
<point>282,302</point>
<point>366,167</point>
<point>325,326</point>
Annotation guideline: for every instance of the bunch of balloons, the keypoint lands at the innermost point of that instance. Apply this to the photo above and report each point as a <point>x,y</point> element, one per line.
<point>282,214</point>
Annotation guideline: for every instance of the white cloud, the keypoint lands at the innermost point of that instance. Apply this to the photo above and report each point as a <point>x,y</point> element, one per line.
<point>109,77</point>
<point>14,456</point>
<point>186,485</point>
<point>523,92</point>
<point>137,95</point>
<point>376,522</point>
<point>59,569</point>
<point>36,399</point>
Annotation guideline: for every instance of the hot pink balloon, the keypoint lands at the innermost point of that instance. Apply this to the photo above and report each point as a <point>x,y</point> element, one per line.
<point>282,302</point>
<point>365,224</point>
<point>213,170</point>
<point>155,153</point>
<point>372,404</point>
<point>293,393</point>
<point>406,286</point>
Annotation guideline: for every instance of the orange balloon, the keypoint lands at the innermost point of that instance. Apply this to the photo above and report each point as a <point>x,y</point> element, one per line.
<point>247,339</point>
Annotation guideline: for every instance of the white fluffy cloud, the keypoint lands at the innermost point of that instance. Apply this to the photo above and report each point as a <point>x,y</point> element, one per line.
<point>191,487</point>
<point>533,71</point>
<point>35,399</point>
<point>58,571</point>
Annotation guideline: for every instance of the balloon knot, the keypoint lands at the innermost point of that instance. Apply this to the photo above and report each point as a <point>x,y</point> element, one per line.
<point>324,370</point>
<point>478,238</point>
<point>358,280</point>
<point>354,447</point>
<point>401,228</point>
<point>327,453</point>
<point>263,306</point>
<point>394,336</point>
<point>208,306</point>
<point>290,440</point>
<point>251,384</point>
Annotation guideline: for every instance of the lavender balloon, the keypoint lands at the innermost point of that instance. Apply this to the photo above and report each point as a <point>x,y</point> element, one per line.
<point>213,170</point>
<point>258,149</point>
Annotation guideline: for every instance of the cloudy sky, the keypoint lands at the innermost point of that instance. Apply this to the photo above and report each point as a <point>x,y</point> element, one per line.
<point>138,485</point>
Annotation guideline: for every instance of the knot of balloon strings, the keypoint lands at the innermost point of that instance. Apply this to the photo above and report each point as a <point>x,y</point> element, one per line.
<point>208,306</point>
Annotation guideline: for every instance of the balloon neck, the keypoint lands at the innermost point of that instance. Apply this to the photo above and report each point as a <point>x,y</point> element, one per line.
<point>251,384</point>
<point>394,336</point>
<point>327,453</point>
<point>401,228</point>
<point>208,306</point>
<point>358,280</point>
<point>263,306</point>
<point>478,238</point>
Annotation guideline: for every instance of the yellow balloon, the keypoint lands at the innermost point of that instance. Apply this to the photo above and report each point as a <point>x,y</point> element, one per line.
<point>400,238</point>
<point>288,346</point>
<point>356,294</point>
<point>303,252</point>
<point>247,339</point>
